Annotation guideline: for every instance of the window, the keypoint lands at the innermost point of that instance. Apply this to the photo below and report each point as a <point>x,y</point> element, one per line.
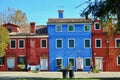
<point>59,28</point>
<point>12,44</point>
<point>10,30</point>
<point>70,28</point>
<point>97,26</point>
<point>87,62</point>
<point>118,60</point>
<point>1,60</point>
<point>71,62</point>
<point>98,43</point>
<point>87,28</point>
<point>87,43</point>
<point>117,43</point>
<point>59,43</point>
<point>43,43</point>
<point>58,61</point>
<point>71,43</point>
<point>21,44</point>
<point>21,60</point>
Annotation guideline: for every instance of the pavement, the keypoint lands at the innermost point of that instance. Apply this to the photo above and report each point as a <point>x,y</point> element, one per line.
<point>59,75</point>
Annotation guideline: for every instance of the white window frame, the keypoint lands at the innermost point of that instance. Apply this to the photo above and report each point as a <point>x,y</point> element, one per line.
<point>41,43</point>
<point>100,43</point>
<point>56,28</point>
<point>73,27</point>
<point>61,43</point>
<point>59,58</point>
<point>89,27</point>
<point>71,58</point>
<point>10,43</point>
<point>85,61</point>
<point>90,42</point>
<point>23,44</point>
<point>116,42</point>
<point>117,60</point>
<point>74,43</point>
<point>95,26</point>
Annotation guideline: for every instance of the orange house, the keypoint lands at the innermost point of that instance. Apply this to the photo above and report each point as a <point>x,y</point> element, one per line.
<point>28,46</point>
<point>105,48</point>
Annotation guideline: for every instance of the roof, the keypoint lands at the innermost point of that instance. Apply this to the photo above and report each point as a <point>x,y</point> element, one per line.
<point>69,20</point>
<point>11,24</point>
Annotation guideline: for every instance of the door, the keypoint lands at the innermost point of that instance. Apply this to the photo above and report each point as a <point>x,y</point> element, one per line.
<point>98,63</point>
<point>44,64</point>
<point>79,64</point>
<point>10,63</point>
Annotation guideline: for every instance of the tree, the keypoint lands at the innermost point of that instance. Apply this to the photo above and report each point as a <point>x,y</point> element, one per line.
<point>4,40</point>
<point>105,10</point>
<point>13,16</point>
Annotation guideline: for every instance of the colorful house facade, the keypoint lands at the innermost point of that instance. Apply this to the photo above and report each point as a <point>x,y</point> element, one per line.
<point>28,46</point>
<point>70,43</point>
<point>106,52</point>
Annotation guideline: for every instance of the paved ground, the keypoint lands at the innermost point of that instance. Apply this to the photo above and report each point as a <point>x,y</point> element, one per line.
<point>59,74</point>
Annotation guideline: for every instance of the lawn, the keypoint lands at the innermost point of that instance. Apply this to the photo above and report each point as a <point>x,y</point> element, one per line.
<point>59,79</point>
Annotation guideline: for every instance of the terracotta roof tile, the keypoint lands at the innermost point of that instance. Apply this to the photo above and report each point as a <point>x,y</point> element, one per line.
<point>69,20</point>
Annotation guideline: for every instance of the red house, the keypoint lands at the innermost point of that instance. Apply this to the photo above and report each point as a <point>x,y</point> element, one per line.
<point>28,45</point>
<point>106,48</point>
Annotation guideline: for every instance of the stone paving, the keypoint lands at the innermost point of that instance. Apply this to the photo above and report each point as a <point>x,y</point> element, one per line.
<point>59,74</point>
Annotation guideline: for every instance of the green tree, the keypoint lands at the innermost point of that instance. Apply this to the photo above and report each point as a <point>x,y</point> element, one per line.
<point>4,40</point>
<point>13,16</point>
<point>105,10</point>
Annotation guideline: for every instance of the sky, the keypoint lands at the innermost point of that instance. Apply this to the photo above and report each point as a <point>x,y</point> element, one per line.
<point>40,10</point>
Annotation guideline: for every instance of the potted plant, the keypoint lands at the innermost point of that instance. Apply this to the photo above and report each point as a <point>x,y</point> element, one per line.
<point>21,66</point>
<point>71,71</point>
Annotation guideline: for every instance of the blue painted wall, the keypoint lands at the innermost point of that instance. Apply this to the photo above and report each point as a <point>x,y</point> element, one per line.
<point>79,35</point>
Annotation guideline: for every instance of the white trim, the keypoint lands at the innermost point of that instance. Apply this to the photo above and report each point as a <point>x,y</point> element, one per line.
<point>73,27</point>
<point>89,44</point>
<point>95,26</point>
<point>61,44</point>
<point>89,27</point>
<point>100,42</point>
<point>56,28</point>
<point>23,43</point>
<point>71,58</point>
<point>116,42</point>
<point>117,60</point>
<point>10,44</point>
<point>59,58</point>
<point>68,43</point>
<point>41,43</point>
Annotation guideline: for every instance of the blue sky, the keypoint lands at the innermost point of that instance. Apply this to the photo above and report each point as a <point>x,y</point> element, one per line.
<point>40,10</point>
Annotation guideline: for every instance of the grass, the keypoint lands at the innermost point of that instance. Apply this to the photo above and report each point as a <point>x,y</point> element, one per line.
<point>59,79</point>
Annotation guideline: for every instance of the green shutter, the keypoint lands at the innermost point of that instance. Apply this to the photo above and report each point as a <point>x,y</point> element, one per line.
<point>87,62</point>
<point>71,28</point>
<point>59,43</point>
<point>87,28</point>
<point>71,61</point>
<point>87,43</point>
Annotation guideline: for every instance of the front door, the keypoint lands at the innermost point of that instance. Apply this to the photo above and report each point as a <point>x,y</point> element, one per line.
<point>79,64</point>
<point>44,64</point>
<point>10,63</point>
<point>98,63</point>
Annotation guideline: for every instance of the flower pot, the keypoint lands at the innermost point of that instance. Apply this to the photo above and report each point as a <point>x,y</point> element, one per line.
<point>65,73</point>
<point>71,73</point>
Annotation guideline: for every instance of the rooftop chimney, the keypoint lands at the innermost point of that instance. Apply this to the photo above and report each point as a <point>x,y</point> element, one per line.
<point>60,14</point>
<point>32,27</point>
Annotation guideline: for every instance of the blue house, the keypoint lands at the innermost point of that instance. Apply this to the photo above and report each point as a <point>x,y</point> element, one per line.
<point>69,43</point>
